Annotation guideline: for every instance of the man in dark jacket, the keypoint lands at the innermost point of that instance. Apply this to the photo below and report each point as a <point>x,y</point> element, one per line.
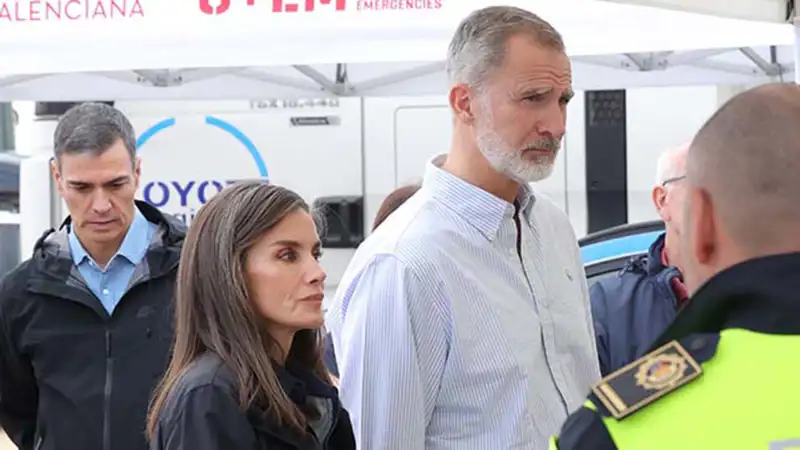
<point>632,308</point>
<point>86,323</point>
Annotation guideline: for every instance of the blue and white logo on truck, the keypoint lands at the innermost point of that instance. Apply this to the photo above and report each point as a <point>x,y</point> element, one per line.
<point>190,167</point>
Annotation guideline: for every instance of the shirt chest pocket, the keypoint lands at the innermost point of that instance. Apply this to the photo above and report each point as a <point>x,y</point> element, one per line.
<point>566,291</point>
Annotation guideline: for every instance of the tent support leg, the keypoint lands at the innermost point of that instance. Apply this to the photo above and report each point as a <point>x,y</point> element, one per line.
<point>689,57</point>
<point>721,66</point>
<point>610,61</point>
<point>383,80</point>
<point>796,23</point>
<point>280,80</point>
<point>159,78</point>
<point>769,69</point>
<point>318,77</point>
<point>644,64</point>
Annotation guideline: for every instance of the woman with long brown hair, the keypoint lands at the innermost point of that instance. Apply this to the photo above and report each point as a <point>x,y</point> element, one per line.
<point>246,371</point>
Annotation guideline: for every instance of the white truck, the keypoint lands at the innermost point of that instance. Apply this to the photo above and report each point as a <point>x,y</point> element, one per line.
<point>346,153</point>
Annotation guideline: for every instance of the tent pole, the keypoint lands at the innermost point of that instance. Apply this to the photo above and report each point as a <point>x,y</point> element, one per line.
<point>796,24</point>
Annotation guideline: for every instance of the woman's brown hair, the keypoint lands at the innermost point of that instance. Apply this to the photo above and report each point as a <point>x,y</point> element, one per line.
<point>213,310</point>
<point>393,201</point>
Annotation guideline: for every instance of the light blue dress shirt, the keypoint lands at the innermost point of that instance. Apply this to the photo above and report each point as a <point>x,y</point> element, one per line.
<point>109,284</point>
<point>447,338</point>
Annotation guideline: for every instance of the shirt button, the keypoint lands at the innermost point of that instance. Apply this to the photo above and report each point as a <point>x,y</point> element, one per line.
<point>105,291</point>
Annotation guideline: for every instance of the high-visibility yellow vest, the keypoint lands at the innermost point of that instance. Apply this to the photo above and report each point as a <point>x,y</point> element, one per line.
<point>745,395</point>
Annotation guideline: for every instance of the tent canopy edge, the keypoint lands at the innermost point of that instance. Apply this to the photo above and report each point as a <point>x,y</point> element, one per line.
<point>760,10</point>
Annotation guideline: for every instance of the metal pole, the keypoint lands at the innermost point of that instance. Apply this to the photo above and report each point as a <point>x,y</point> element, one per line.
<point>6,127</point>
<point>796,24</point>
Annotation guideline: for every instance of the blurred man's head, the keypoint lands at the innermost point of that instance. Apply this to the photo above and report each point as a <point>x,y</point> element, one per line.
<point>668,195</point>
<point>97,172</point>
<point>742,183</point>
<point>510,84</point>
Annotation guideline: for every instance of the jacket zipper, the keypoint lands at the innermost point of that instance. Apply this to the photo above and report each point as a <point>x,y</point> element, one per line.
<point>39,442</point>
<point>107,394</point>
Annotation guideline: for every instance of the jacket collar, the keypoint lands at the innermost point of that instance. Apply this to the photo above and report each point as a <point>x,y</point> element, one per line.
<point>173,230</point>
<point>651,263</point>
<point>133,246</point>
<point>758,295</point>
<point>655,263</point>
<point>299,383</point>
<point>53,260</point>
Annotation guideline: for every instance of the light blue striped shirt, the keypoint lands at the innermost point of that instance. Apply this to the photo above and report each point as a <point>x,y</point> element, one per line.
<point>447,338</point>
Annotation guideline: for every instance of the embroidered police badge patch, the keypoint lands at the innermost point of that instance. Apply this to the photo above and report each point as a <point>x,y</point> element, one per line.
<point>649,378</point>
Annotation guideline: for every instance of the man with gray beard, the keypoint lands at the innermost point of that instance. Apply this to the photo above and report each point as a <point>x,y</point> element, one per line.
<point>463,321</point>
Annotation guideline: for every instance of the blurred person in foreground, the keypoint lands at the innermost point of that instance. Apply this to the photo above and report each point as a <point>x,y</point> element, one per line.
<point>392,201</point>
<point>246,370</point>
<point>463,321</point>
<point>633,307</point>
<point>733,349</point>
<point>85,324</point>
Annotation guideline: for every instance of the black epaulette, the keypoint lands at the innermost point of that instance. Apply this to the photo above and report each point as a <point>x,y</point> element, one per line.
<point>653,376</point>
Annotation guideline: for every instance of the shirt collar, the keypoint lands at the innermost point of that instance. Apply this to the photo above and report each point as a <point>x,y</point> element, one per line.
<point>478,207</point>
<point>133,247</point>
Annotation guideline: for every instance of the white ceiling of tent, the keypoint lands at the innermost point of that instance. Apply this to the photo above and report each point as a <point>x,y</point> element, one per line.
<point>764,10</point>
<point>721,66</point>
<point>613,45</point>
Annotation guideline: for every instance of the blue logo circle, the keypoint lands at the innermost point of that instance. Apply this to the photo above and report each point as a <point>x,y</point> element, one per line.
<point>218,123</point>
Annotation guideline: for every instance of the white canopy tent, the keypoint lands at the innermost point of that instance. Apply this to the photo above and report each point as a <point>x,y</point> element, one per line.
<point>160,49</point>
<point>761,10</point>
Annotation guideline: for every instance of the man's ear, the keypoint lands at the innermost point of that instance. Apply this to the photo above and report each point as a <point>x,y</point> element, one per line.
<point>659,195</point>
<point>56,173</point>
<point>460,99</point>
<point>703,226</point>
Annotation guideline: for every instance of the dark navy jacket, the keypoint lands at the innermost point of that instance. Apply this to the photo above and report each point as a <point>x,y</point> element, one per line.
<point>632,308</point>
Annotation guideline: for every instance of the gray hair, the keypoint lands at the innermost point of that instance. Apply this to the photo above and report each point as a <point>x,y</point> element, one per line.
<point>667,164</point>
<point>479,43</point>
<point>93,128</point>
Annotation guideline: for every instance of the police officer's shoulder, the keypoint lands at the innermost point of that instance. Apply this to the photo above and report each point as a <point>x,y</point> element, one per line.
<point>584,430</point>
<point>634,387</point>
<point>653,376</point>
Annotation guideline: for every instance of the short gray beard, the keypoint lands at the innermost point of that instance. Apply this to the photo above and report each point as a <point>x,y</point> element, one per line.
<point>508,160</point>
